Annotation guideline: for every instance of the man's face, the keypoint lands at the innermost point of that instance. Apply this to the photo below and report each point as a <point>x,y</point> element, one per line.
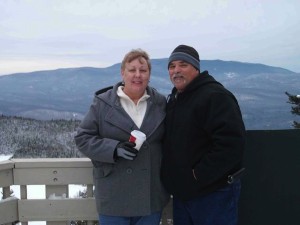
<point>181,74</point>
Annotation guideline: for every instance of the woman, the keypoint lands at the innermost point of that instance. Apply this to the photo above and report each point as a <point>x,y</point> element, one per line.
<point>127,182</point>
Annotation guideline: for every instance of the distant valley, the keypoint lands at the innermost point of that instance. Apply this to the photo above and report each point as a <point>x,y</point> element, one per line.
<point>67,93</point>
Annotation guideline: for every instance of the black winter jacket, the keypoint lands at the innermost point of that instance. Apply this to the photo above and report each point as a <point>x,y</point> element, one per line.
<point>205,133</point>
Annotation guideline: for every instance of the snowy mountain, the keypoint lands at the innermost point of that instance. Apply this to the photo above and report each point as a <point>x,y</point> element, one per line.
<point>67,93</point>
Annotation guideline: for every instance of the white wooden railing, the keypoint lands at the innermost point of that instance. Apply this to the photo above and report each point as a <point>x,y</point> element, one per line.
<point>57,175</point>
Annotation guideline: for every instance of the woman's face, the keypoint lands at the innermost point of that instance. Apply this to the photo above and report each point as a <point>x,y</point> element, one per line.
<point>136,75</point>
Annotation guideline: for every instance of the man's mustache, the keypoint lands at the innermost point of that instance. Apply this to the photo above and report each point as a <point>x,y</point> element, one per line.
<point>176,75</point>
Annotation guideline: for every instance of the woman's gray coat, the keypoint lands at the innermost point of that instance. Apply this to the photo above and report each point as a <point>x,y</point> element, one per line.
<point>124,187</point>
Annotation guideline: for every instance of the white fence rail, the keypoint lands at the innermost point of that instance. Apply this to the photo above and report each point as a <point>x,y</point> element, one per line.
<point>57,175</point>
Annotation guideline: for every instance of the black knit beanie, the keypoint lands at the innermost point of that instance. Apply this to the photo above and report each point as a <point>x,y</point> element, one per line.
<point>187,54</point>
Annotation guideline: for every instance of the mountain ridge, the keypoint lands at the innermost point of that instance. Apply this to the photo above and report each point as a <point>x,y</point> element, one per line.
<point>66,93</point>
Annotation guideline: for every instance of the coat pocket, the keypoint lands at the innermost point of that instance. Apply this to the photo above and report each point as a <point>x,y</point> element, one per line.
<point>103,170</point>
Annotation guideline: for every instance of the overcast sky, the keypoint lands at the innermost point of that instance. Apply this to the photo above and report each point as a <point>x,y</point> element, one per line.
<point>50,34</point>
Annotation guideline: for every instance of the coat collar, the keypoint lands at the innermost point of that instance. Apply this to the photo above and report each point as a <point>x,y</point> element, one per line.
<point>116,115</point>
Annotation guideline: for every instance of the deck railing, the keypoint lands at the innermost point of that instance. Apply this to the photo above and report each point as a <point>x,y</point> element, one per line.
<point>270,187</point>
<point>57,175</point>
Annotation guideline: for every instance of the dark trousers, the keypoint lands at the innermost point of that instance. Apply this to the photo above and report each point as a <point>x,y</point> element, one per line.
<point>152,219</point>
<point>217,208</point>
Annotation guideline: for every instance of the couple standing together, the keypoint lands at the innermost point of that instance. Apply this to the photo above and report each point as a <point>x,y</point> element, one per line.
<point>195,142</point>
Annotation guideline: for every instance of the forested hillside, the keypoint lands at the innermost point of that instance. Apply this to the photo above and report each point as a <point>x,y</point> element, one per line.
<point>68,93</point>
<point>30,138</point>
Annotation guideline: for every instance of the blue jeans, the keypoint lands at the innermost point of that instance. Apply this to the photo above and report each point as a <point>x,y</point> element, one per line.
<point>153,219</point>
<point>217,208</point>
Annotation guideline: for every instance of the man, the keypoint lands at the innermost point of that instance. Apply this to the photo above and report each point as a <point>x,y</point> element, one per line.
<point>204,144</point>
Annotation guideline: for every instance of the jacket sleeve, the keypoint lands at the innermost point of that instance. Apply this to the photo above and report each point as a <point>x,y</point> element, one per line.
<point>226,132</point>
<point>89,141</point>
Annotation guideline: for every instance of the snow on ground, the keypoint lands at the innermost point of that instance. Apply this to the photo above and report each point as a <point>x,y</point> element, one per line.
<point>5,157</point>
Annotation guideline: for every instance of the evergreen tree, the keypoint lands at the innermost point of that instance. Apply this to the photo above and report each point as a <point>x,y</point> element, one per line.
<point>294,100</point>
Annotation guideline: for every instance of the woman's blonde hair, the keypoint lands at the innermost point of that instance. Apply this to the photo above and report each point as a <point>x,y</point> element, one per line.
<point>136,54</point>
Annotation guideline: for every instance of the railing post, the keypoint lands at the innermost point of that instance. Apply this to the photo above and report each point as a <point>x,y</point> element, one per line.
<point>58,191</point>
<point>89,194</point>
<point>8,203</point>
<point>6,192</point>
<point>23,195</point>
<point>23,191</point>
<point>89,190</point>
